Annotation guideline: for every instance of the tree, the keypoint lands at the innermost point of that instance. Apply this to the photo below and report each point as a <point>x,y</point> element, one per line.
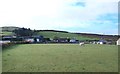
<point>23,32</point>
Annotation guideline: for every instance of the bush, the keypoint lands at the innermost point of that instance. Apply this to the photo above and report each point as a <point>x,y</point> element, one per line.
<point>6,45</point>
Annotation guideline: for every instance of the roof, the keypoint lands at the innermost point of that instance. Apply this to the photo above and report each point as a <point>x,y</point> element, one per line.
<point>7,37</point>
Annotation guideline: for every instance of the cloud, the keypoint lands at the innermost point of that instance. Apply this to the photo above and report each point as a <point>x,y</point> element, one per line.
<point>71,15</point>
<point>91,10</point>
<point>113,18</point>
<point>82,4</point>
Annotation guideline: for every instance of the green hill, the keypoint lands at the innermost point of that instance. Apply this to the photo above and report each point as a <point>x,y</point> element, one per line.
<point>7,30</point>
<point>51,34</point>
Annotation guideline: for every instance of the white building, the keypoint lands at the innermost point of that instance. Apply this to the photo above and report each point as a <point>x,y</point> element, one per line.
<point>118,41</point>
<point>29,40</point>
<point>72,40</point>
<point>102,41</point>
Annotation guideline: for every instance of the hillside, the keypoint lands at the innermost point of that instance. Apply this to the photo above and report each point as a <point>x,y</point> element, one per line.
<point>56,33</point>
<point>52,34</point>
<point>8,28</point>
<point>106,37</point>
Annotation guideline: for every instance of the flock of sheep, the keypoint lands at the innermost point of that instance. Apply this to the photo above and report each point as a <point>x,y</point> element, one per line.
<point>83,43</point>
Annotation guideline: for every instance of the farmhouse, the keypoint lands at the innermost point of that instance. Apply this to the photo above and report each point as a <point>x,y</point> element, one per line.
<point>7,38</point>
<point>38,38</point>
<point>25,39</point>
<point>34,39</point>
<point>118,41</point>
<point>12,38</point>
<point>72,41</point>
<point>102,41</point>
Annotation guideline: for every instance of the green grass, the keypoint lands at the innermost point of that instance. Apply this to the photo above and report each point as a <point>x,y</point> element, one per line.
<point>65,35</point>
<point>50,34</point>
<point>60,58</point>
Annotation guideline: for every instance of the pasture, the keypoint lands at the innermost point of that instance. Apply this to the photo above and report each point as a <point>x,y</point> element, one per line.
<point>51,34</point>
<point>60,58</point>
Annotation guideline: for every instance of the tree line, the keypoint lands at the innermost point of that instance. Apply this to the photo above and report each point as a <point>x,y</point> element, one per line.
<point>23,32</point>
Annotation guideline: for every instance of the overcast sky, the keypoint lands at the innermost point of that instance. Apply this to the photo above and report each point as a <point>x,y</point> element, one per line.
<point>90,16</point>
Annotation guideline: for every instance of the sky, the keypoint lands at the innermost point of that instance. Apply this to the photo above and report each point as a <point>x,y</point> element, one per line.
<point>85,16</point>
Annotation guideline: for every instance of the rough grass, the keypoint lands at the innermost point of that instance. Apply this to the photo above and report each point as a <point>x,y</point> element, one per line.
<point>60,34</point>
<point>53,34</point>
<point>61,58</point>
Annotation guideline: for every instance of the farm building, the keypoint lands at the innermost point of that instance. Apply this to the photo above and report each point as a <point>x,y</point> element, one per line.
<point>34,39</point>
<point>7,38</point>
<point>102,41</point>
<point>61,40</point>
<point>118,41</point>
<point>12,38</point>
<point>38,39</point>
<point>29,40</point>
<point>72,40</point>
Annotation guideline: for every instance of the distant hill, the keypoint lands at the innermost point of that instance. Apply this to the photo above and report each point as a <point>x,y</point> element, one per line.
<point>8,28</point>
<point>106,37</point>
<point>79,36</point>
<point>62,34</point>
<point>52,31</point>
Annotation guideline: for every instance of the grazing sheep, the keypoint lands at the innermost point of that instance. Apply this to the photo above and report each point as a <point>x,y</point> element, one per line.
<point>82,43</point>
<point>94,42</point>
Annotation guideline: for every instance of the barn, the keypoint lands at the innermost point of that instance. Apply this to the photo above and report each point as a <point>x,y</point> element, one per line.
<point>118,41</point>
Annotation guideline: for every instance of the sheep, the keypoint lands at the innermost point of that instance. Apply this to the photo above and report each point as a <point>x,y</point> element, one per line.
<point>81,43</point>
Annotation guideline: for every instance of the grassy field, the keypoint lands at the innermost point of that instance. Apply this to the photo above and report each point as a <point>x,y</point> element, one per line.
<point>60,58</point>
<point>51,34</point>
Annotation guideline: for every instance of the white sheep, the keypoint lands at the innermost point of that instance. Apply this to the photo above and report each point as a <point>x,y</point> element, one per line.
<point>81,43</point>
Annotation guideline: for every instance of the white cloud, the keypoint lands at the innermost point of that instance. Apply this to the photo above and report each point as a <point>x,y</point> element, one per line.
<point>91,10</point>
<point>53,14</point>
